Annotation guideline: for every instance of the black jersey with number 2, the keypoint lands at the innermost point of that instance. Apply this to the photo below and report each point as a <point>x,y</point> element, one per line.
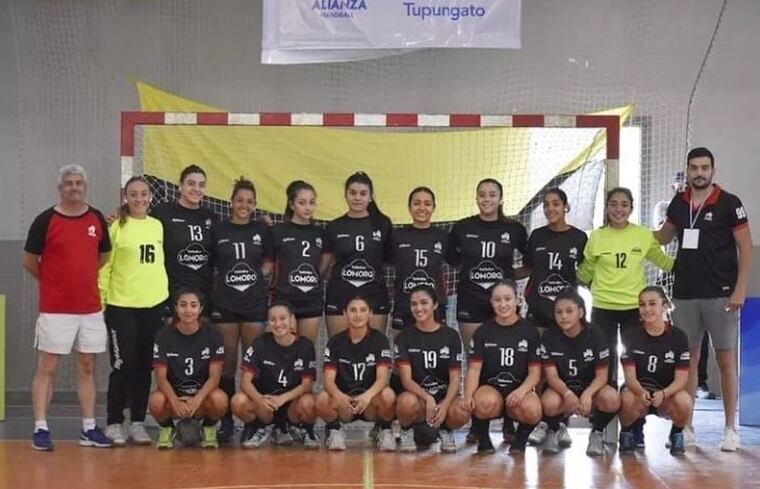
<point>240,250</point>
<point>297,251</point>
<point>577,358</point>
<point>418,257</point>
<point>278,368</point>
<point>656,358</point>
<point>187,357</point>
<point>505,353</point>
<point>356,363</point>
<point>430,355</point>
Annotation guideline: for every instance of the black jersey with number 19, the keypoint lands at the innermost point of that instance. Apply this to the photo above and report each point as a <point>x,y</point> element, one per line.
<point>431,355</point>
<point>298,251</point>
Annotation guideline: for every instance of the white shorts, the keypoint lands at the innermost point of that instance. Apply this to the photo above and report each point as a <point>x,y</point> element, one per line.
<point>60,333</point>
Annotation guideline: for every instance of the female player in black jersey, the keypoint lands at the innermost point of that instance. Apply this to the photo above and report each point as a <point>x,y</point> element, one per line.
<point>504,369</point>
<point>357,245</point>
<point>242,258</point>
<point>298,253</point>
<point>418,253</point>
<point>552,256</point>
<point>576,362</point>
<point>278,373</point>
<point>188,240</point>
<point>356,371</point>
<point>187,366</point>
<point>429,359</point>
<point>656,369</point>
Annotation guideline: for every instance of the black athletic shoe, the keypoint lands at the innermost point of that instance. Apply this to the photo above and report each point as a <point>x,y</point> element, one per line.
<point>485,445</point>
<point>472,437</point>
<point>226,430</point>
<point>518,444</point>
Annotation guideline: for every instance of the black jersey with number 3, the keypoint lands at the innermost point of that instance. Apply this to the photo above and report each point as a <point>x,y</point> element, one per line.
<point>278,368</point>
<point>418,257</point>
<point>656,358</point>
<point>430,355</point>
<point>576,358</point>
<point>297,251</point>
<point>360,249</point>
<point>188,245</point>
<point>356,363</point>
<point>187,357</point>
<point>553,257</point>
<point>505,353</point>
<point>239,251</point>
<point>485,252</point>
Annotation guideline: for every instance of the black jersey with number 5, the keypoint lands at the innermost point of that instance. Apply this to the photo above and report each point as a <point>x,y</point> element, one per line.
<point>360,249</point>
<point>505,352</point>
<point>187,357</point>
<point>430,355</point>
<point>576,359</point>
<point>239,252</point>
<point>553,257</point>
<point>418,256</point>
<point>356,363</point>
<point>656,358</point>
<point>188,245</point>
<point>297,251</point>
<point>485,252</point>
<point>276,368</point>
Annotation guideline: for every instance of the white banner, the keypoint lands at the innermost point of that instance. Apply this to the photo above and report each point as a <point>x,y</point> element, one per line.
<point>298,31</point>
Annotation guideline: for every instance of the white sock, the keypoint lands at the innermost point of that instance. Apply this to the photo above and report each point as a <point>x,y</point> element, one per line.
<point>41,425</point>
<point>88,424</point>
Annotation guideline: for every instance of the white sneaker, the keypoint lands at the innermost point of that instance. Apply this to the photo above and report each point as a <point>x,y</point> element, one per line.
<point>386,442</point>
<point>138,434</point>
<point>448,444</point>
<point>336,440</point>
<point>407,443</point>
<point>730,440</point>
<point>116,433</point>
<point>258,437</point>
<point>564,436</point>
<point>689,437</point>
<point>538,435</point>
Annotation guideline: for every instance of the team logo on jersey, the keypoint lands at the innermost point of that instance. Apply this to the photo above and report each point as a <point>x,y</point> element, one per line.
<point>604,354</point>
<point>685,356</point>
<point>304,278</point>
<point>432,385</point>
<point>708,216</point>
<point>444,352</point>
<point>358,273</point>
<point>670,356</point>
<point>552,285</point>
<point>318,242</point>
<point>395,349</point>
<point>194,256</point>
<point>298,364</point>
<point>177,219</point>
<point>206,353</point>
<point>256,239</point>
<point>635,250</point>
<point>541,350</point>
<point>155,348</point>
<point>248,354</point>
<point>505,238</point>
<point>370,359</point>
<point>241,277</point>
<point>377,235</point>
<point>417,278</point>
<point>504,379</point>
<point>208,223</point>
<point>220,351</point>
<point>327,354</point>
<point>486,274</point>
<point>573,253</point>
<point>522,345</point>
<point>188,387</point>
<point>385,353</point>
<point>588,355</point>
<point>438,247</point>
<point>91,231</point>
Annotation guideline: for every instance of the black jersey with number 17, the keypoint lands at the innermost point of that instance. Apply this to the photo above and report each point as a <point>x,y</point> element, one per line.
<point>418,257</point>
<point>356,363</point>
<point>297,251</point>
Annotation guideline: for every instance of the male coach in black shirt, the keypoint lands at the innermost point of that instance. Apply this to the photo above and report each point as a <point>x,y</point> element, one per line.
<point>710,276</point>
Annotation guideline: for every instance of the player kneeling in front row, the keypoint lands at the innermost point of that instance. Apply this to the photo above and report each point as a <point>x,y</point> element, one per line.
<point>576,362</point>
<point>278,373</point>
<point>187,364</point>
<point>429,359</point>
<point>356,370</point>
<point>656,366</point>
<point>504,369</point>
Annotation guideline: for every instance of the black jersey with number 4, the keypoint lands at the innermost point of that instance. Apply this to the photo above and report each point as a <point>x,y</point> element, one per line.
<point>485,252</point>
<point>239,251</point>
<point>187,357</point>
<point>188,245</point>
<point>297,251</point>
<point>360,249</point>
<point>656,358</point>
<point>278,368</point>
<point>430,355</point>
<point>356,363</point>
<point>576,359</point>
<point>553,257</point>
<point>418,257</point>
<point>505,353</point>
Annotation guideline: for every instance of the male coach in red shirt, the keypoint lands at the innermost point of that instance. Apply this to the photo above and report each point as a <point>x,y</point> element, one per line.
<point>65,247</point>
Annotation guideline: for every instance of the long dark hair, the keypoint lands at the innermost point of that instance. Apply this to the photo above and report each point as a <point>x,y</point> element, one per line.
<point>501,216</point>
<point>420,189</point>
<point>572,295</point>
<point>243,183</point>
<point>377,218</point>
<point>124,209</point>
<point>292,192</point>
<point>617,190</point>
<point>430,292</point>
<point>187,290</point>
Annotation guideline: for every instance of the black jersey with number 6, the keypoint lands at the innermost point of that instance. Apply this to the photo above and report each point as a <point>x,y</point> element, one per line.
<point>430,355</point>
<point>576,359</point>
<point>187,357</point>
<point>656,358</point>
<point>356,363</point>
<point>505,353</point>
<point>239,251</point>
<point>418,256</point>
<point>485,252</point>
<point>276,368</point>
<point>188,245</point>
<point>553,257</point>
<point>297,251</point>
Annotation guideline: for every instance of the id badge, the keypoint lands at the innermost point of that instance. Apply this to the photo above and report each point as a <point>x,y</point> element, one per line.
<point>690,239</point>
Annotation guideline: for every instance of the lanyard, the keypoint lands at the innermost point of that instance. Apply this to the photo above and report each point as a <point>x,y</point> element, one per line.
<point>693,219</point>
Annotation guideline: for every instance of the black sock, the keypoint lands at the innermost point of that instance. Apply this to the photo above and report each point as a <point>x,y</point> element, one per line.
<point>553,422</point>
<point>674,429</point>
<point>630,427</point>
<point>167,423</point>
<point>638,425</point>
<point>509,424</point>
<point>523,430</point>
<point>254,425</point>
<point>309,427</point>
<point>332,425</point>
<point>480,426</point>
<point>281,418</point>
<point>566,420</point>
<point>384,425</point>
<point>209,422</point>
<point>601,420</point>
<point>227,384</point>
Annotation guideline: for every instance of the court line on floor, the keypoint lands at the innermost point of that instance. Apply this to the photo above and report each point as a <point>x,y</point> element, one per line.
<point>368,478</point>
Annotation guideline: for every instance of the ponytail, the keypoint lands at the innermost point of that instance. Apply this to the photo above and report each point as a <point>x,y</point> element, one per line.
<point>124,208</point>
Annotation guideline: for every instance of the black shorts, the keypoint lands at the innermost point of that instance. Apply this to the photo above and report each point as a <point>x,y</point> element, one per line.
<point>473,308</point>
<point>303,308</point>
<point>404,319</point>
<point>223,315</point>
<point>504,391</point>
<point>542,322</point>
<point>339,295</point>
<point>398,388</point>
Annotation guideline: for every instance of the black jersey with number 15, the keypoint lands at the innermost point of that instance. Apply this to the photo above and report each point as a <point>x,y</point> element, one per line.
<point>418,256</point>
<point>297,251</point>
